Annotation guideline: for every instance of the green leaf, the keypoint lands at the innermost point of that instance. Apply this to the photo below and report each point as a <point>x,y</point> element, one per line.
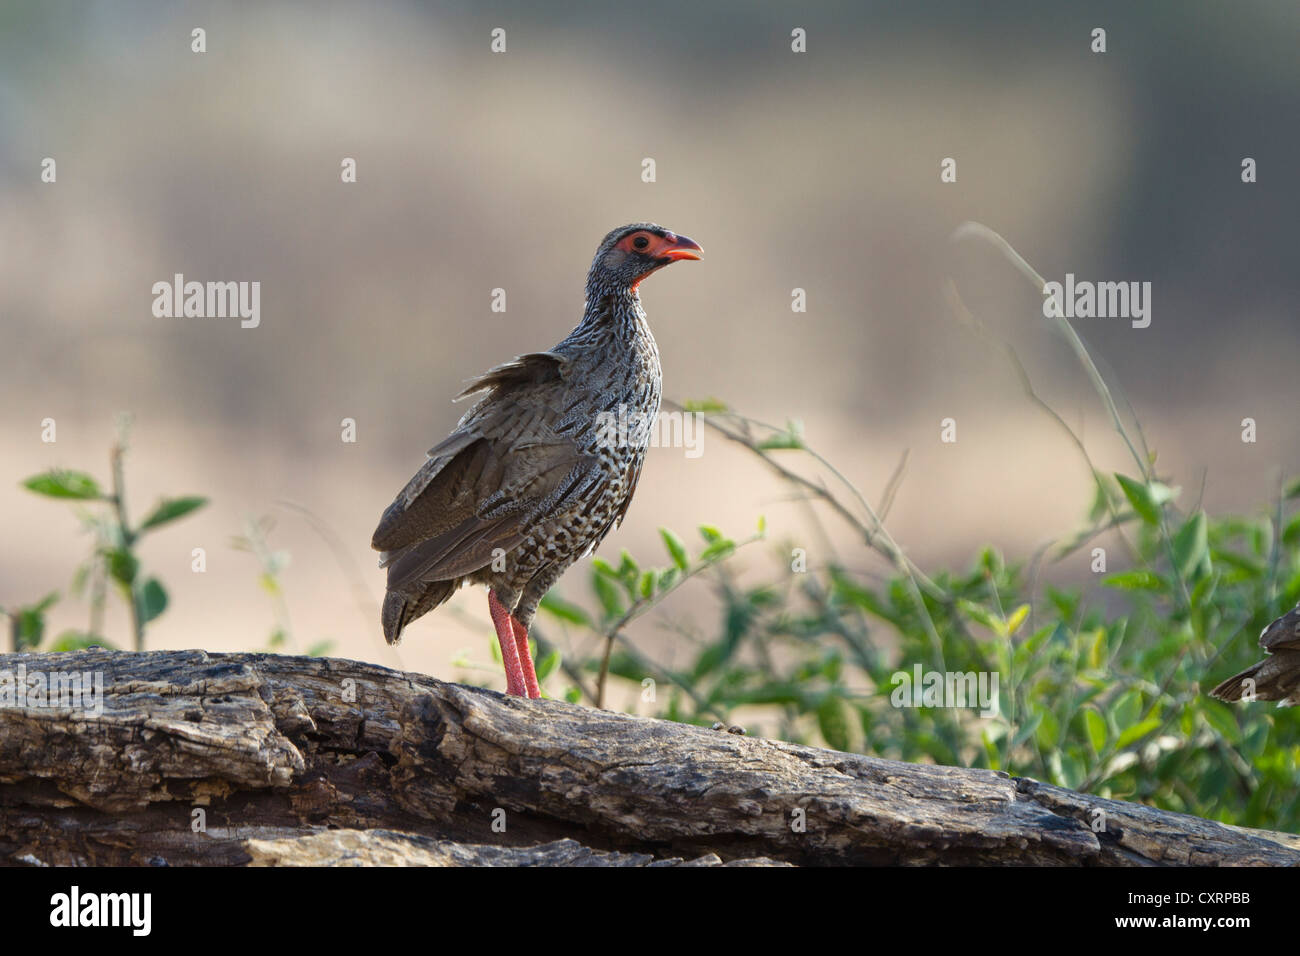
<point>705,405</point>
<point>1141,498</point>
<point>628,569</point>
<point>153,600</point>
<point>991,561</point>
<point>982,615</point>
<point>848,591</point>
<point>1095,724</point>
<point>1048,734</point>
<point>709,533</point>
<point>563,610</point>
<point>1126,710</point>
<point>646,586</point>
<point>1027,730</point>
<point>833,723</point>
<point>1204,590</point>
<point>1239,562</point>
<point>1291,533</point>
<point>30,629</point>
<point>833,666</point>
<point>1071,770</point>
<point>791,437</point>
<point>610,598</point>
<point>1292,490</point>
<point>1016,618</point>
<point>718,549</point>
<point>1137,732</point>
<point>1138,580</point>
<point>573,695</point>
<point>1097,653</point>
<point>1191,545</point>
<point>64,484</point>
<point>122,566</point>
<point>781,441</point>
<point>320,649</point>
<point>1028,649</point>
<point>710,658</point>
<point>676,550</point>
<point>169,509</point>
<point>548,664</point>
<point>29,622</point>
<point>1219,717</point>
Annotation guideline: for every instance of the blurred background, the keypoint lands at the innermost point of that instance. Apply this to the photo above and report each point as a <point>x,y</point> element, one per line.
<point>816,170</point>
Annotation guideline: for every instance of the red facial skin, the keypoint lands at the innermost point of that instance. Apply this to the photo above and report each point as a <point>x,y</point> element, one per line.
<point>661,249</point>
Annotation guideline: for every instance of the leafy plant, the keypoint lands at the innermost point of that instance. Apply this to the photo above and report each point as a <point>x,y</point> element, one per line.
<point>27,623</point>
<point>113,556</point>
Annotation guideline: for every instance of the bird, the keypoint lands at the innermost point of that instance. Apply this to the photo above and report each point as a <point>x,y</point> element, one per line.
<point>542,467</point>
<point>1277,677</point>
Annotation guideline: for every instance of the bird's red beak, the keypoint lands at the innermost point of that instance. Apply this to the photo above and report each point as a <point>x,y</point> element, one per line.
<point>681,248</point>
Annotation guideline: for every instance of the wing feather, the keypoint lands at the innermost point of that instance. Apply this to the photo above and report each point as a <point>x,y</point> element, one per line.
<point>486,485</point>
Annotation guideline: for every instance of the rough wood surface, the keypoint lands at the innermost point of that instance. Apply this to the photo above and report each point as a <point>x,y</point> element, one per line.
<point>218,759</point>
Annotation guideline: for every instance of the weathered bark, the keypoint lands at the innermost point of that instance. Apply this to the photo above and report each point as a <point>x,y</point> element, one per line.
<point>290,760</point>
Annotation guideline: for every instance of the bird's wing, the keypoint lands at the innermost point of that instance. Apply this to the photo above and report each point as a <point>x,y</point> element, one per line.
<point>486,485</point>
<point>477,504</point>
<point>1282,634</point>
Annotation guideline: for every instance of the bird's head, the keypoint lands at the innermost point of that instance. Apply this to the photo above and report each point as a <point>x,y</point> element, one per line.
<point>630,253</point>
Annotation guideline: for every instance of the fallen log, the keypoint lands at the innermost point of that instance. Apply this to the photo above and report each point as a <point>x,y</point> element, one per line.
<point>235,759</point>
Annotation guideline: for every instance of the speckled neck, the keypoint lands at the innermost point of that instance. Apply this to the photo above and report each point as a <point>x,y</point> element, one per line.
<point>613,317</point>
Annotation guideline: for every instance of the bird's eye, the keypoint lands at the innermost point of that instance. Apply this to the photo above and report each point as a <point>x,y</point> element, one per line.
<point>640,242</point>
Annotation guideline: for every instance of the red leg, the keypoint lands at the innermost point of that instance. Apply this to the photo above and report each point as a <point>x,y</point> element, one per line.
<point>526,659</point>
<point>504,625</point>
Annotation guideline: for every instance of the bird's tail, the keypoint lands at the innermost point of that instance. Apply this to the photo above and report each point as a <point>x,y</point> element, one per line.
<point>403,607</point>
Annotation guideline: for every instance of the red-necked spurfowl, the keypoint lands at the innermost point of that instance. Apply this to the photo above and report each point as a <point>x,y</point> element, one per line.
<point>538,472</point>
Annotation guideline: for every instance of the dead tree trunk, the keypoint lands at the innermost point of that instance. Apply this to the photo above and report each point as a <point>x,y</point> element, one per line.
<point>222,759</point>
